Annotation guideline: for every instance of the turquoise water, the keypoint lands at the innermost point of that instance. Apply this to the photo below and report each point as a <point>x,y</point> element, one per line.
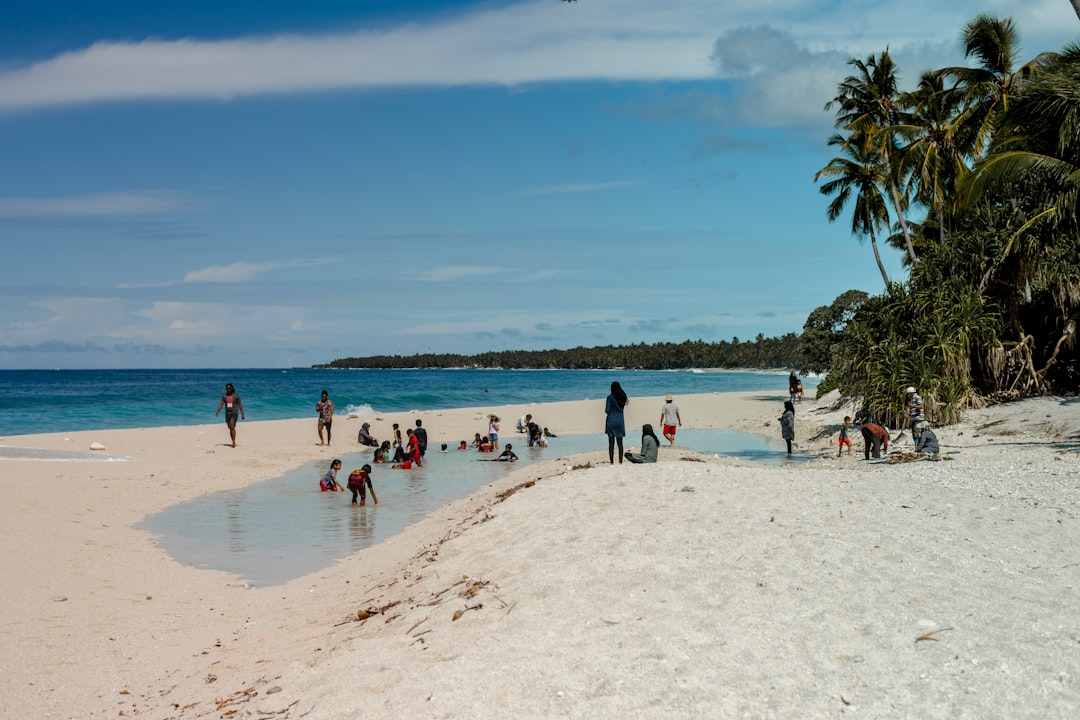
<point>38,401</point>
<point>284,528</point>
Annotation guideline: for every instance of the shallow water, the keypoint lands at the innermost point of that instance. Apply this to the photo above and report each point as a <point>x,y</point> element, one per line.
<point>284,528</point>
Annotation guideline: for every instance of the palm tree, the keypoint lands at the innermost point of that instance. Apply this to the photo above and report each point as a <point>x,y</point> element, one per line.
<point>1040,137</point>
<point>860,172</point>
<point>867,107</point>
<point>934,157</point>
<point>990,86</point>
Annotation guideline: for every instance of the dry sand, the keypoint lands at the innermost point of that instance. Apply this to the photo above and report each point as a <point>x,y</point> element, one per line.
<point>696,587</point>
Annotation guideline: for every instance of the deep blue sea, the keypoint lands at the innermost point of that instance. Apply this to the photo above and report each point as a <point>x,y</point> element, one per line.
<point>37,401</point>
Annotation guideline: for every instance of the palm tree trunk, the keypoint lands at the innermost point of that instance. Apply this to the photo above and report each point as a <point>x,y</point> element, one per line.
<point>903,220</point>
<point>877,255</point>
<point>941,219</point>
<point>1076,7</point>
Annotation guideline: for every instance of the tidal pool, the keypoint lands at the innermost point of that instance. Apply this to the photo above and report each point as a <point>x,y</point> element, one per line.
<point>280,529</point>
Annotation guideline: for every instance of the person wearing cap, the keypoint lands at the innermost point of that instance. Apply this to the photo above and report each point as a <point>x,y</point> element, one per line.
<point>670,419</point>
<point>915,415</point>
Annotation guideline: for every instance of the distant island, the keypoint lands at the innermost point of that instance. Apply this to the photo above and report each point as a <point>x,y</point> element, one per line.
<point>761,352</point>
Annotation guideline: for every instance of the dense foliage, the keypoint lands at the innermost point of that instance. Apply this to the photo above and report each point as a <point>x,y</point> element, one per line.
<point>762,352</point>
<point>989,157</point>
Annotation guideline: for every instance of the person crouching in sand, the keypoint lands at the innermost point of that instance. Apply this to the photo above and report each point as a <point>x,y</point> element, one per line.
<point>357,480</point>
<point>650,447</point>
<point>328,482</point>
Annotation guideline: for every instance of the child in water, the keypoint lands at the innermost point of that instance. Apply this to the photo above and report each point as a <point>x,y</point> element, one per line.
<point>358,479</point>
<point>328,482</point>
<point>463,446</point>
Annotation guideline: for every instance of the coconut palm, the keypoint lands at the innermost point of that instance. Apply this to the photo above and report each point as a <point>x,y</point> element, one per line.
<point>868,107</point>
<point>936,145</point>
<point>991,86</point>
<point>858,172</point>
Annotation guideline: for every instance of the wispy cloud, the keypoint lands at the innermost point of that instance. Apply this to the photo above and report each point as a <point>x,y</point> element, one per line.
<point>147,202</point>
<point>450,273</point>
<point>510,44</point>
<point>580,188</point>
<point>236,272</point>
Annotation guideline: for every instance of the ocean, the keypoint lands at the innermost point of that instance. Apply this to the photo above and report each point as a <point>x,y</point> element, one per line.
<point>40,401</point>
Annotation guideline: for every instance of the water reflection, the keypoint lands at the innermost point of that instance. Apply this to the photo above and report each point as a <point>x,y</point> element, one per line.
<point>280,529</point>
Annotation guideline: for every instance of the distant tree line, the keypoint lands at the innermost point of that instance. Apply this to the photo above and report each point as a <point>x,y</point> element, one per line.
<point>760,353</point>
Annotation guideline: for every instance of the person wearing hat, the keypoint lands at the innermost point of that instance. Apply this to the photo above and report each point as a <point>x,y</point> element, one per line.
<point>670,419</point>
<point>364,436</point>
<point>915,415</point>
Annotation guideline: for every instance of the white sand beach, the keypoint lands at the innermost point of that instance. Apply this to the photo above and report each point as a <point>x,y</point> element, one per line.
<point>698,587</point>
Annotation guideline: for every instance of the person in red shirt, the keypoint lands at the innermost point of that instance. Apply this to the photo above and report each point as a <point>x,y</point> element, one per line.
<point>414,448</point>
<point>875,439</point>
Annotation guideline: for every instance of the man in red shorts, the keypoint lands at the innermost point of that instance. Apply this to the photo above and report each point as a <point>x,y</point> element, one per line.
<point>670,419</point>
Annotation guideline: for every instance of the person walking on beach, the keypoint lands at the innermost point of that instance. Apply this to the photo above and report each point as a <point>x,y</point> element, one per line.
<point>328,482</point>
<point>844,439</point>
<point>670,419</point>
<point>493,431</point>
<point>916,416</point>
<point>875,439</point>
<point>358,479</point>
<point>793,387</point>
<point>650,447</point>
<point>787,424</point>
<point>421,437</point>
<point>615,424</point>
<point>325,408</point>
<point>233,409</point>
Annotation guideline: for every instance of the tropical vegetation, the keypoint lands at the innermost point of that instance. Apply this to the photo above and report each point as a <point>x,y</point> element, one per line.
<point>974,174</point>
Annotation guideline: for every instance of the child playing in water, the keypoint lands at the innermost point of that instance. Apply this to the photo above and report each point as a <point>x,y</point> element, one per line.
<point>357,480</point>
<point>462,446</point>
<point>844,438</point>
<point>397,435</point>
<point>328,482</point>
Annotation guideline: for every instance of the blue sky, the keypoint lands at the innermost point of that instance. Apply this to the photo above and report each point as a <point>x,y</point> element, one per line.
<point>234,184</point>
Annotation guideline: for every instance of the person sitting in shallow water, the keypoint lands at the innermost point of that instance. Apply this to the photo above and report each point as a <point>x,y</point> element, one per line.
<point>650,447</point>
<point>507,454</point>
<point>382,453</point>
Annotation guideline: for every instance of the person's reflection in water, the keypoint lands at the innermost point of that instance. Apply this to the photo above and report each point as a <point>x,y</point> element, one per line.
<point>361,528</point>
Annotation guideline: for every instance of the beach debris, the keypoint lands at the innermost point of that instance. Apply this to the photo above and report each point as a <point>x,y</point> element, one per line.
<point>507,493</point>
<point>59,598</point>
<point>461,611</point>
<point>687,458</point>
<point>930,635</point>
<point>97,446</point>
<point>686,488</point>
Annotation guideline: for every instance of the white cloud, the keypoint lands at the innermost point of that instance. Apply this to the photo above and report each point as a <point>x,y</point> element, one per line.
<point>453,272</point>
<point>524,42</point>
<point>147,202</point>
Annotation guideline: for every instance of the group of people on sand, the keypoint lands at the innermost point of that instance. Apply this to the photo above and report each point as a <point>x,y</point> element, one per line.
<point>615,427</point>
<point>875,436</point>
